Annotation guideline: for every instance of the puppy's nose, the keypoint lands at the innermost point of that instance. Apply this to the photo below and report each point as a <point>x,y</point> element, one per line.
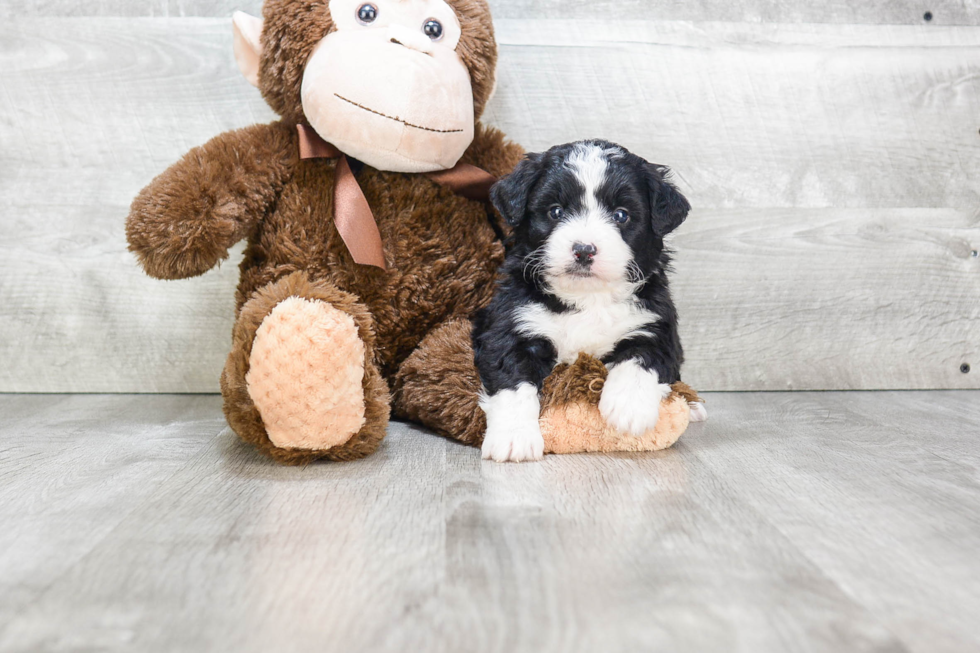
<point>584,253</point>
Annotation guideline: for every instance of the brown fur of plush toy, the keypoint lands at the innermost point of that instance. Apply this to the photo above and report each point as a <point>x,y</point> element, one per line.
<point>442,372</point>
<point>441,250</point>
<point>242,414</point>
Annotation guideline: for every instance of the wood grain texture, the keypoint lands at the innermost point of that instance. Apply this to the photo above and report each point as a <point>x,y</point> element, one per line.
<point>833,169</point>
<point>130,8</point>
<point>787,522</point>
<point>759,116</point>
<point>875,12</point>
<point>797,299</point>
<point>73,467</point>
<point>820,450</point>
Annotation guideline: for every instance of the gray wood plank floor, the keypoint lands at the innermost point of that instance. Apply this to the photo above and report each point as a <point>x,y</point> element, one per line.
<point>788,522</point>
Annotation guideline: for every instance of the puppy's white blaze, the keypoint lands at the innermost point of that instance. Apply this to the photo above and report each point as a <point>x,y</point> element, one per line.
<point>513,433</point>
<point>595,328</point>
<point>631,397</point>
<point>589,163</point>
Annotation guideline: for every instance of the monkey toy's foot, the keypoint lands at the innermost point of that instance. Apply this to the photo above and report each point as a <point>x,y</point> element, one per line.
<point>305,375</point>
<point>309,389</point>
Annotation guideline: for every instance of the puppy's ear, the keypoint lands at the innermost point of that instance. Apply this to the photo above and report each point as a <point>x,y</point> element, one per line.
<point>510,194</point>
<point>668,207</point>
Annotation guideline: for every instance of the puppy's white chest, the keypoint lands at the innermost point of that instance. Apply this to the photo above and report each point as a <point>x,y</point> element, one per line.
<point>594,330</point>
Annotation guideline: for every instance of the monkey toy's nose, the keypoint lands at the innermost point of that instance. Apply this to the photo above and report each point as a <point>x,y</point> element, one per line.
<point>412,39</point>
<point>584,253</point>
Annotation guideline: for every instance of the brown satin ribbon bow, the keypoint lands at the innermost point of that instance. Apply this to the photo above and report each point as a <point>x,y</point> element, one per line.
<point>352,215</point>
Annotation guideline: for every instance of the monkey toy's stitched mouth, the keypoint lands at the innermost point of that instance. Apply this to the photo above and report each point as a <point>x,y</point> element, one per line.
<point>404,122</point>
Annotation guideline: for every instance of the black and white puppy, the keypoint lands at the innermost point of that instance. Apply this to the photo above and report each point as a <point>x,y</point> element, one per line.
<point>586,272</point>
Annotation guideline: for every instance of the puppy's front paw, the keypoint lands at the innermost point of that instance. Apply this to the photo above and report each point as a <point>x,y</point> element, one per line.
<point>631,397</point>
<point>516,445</point>
<point>513,433</point>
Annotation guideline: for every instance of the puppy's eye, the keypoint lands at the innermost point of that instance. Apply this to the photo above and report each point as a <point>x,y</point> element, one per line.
<point>367,14</point>
<point>621,216</point>
<point>433,29</point>
<point>556,212</point>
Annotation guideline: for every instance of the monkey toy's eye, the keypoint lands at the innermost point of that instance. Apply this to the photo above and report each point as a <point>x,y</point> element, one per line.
<point>556,212</point>
<point>367,14</point>
<point>433,29</point>
<point>621,216</point>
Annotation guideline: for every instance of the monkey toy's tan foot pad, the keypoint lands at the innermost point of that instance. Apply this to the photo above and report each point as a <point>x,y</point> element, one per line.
<point>305,375</point>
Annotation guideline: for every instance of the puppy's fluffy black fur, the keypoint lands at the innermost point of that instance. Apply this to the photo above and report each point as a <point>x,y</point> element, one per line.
<point>507,355</point>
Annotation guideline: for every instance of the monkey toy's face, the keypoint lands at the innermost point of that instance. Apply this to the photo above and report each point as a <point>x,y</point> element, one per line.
<point>386,85</point>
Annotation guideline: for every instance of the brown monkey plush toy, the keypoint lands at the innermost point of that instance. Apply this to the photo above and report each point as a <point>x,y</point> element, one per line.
<point>364,207</point>
<point>362,210</point>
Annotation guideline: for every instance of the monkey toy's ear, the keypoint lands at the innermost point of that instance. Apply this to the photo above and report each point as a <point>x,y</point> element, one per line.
<point>509,195</point>
<point>248,45</point>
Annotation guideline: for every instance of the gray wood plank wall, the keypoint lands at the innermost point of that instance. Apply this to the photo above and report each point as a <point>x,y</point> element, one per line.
<point>875,12</point>
<point>831,152</point>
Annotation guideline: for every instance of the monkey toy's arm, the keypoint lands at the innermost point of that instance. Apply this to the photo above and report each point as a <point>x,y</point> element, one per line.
<point>183,223</point>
